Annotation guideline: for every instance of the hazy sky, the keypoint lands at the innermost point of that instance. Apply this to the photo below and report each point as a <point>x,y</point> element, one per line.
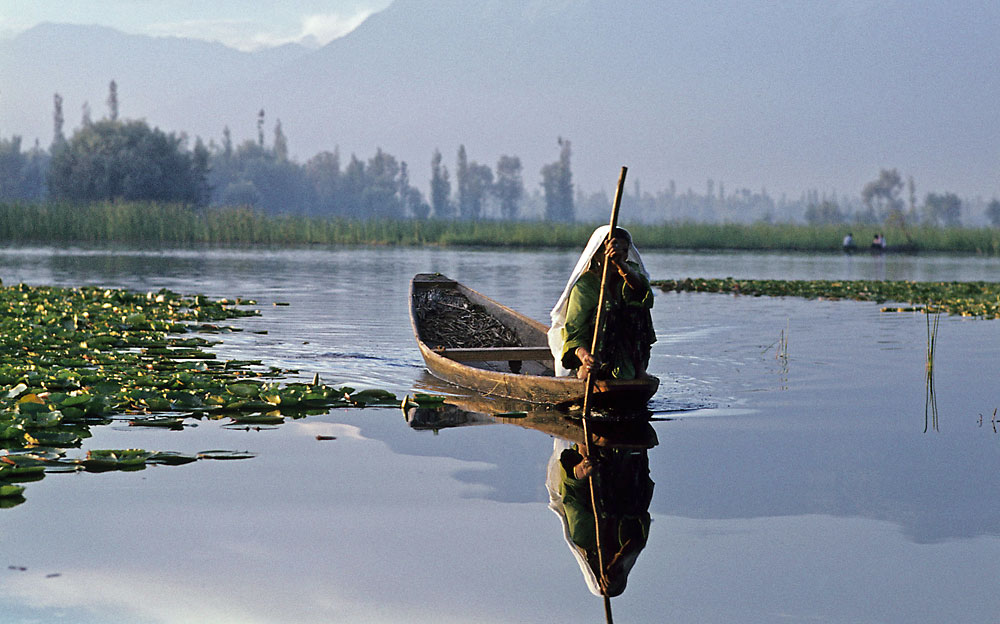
<point>236,23</point>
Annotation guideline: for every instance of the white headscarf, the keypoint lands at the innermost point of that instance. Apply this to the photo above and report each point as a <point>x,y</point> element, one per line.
<point>558,315</point>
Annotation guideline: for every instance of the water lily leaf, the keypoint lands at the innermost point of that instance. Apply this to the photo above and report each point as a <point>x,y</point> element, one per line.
<point>258,419</point>
<point>72,413</point>
<point>42,419</point>
<point>171,458</point>
<point>381,397</point>
<point>10,491</point>
<point>31,407</point>
<point>63,439</point>
<point>166,423</point>
<point>106,388</point>
<point>12,432</point>
<point>157,404</point>
<point>22,474</point>
<point>244,389</point>
<point>428,400</point>
<point>115,459</point>
<point>185,400</point>
<point>16,391</point>
<point>226,455</point>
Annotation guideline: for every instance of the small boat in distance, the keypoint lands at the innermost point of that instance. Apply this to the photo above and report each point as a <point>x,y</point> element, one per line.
<point>472,341</point>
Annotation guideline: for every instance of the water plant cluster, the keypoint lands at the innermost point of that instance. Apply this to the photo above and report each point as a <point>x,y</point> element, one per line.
<point>74,358</point>
<point>975,299</point>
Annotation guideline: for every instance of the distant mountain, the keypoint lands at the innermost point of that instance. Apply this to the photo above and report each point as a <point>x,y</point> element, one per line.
<point>787,96</point>
<point>79,62</point>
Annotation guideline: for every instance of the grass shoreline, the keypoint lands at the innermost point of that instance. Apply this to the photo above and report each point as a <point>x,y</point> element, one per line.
<point>179,225</point>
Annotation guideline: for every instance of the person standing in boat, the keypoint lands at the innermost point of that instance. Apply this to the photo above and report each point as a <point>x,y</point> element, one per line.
<point>628,329</point>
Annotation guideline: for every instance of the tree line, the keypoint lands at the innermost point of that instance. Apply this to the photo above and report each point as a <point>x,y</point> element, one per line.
<point>116,159</point>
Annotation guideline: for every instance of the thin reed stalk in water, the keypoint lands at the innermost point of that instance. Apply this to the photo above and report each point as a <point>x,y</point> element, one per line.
<point>930,398</point>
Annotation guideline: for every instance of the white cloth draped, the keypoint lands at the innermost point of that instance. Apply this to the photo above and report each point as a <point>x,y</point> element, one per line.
<point>558,315</point>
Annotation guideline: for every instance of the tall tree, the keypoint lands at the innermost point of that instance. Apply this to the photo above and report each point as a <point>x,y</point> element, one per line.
<point>557,184</point>
<point>280,142</point>
<point>381,192</point>
<point>413,201</point>
<point>440,189</point>
<point>479,184</point>
<point>227,142</point>
<point>58,138</point>
<point>509,187</point>
<point>200,159</point>
<point>124,160</point>
<point>323,172</point>
<point>993,212</point>
<point>825,212</point>
<point>353,185</point>
<point>462,181</point>
<point>943,209</point>
<point>881,196</point>
<point>12,165</point>
<point>113,101</point>
<point>260,129</point>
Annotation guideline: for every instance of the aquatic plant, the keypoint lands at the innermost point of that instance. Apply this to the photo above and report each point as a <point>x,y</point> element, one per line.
<point>930,397</point>
<point>976,299</point>
<point>75,358</point>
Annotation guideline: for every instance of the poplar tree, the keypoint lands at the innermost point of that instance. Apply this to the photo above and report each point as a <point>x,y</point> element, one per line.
<point>509,187</point>
<point>280,143</point>
<point>557,183</point>
<point>113,101</point>
<point>440,189</point>
<point>462,180</point>
<point>58,138</point>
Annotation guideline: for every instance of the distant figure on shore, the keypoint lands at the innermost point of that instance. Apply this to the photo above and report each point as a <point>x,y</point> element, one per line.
<point>848,243</point>
<point>878,243</point>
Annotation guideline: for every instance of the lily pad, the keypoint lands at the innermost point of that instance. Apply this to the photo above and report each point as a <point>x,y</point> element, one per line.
<point>10,491</point>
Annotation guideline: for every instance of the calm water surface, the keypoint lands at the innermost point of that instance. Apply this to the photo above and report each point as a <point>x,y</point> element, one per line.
<point>798,489</point>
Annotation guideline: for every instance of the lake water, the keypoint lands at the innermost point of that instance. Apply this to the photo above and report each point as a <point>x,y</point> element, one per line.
<point>809,488</point>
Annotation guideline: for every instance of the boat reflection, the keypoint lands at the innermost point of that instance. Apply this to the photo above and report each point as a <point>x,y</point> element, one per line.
<point>606,525</point>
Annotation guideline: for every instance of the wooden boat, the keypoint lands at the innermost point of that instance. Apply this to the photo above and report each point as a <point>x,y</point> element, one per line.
<point>519,367</point>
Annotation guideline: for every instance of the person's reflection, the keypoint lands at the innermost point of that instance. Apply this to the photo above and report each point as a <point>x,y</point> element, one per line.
<point>622,492</point>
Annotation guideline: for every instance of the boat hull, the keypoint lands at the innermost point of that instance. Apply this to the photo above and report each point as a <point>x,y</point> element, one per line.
<point>483,372</point>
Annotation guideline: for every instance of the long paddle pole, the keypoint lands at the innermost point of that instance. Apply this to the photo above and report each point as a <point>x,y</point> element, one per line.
<point>595,348</point>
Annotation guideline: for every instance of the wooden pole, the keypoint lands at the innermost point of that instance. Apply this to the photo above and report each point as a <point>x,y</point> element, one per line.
<point>598,337</point>
<point>595,351</point>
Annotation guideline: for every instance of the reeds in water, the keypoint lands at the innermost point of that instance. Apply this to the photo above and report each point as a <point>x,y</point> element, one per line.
<point>167,224</point>
<point>930,398</point>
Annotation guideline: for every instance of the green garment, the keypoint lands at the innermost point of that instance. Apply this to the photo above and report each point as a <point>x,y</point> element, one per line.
<point>624,491</point>
<point>628,332</point>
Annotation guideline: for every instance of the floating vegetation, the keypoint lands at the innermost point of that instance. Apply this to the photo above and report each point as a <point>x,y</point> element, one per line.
<point>420,399</point>
<point>974,299</point>
<point>74,358</point>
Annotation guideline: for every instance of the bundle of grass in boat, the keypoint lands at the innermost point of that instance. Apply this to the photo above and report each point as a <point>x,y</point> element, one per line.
<point>448,319</point>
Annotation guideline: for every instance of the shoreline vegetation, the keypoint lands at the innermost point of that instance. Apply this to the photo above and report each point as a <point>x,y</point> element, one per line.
<point>177,224</point>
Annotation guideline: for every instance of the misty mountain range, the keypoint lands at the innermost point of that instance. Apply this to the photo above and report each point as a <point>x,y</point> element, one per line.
<point>787,96</point>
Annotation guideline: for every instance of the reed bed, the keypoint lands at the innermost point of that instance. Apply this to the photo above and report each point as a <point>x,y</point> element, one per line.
<point>175,224</point>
